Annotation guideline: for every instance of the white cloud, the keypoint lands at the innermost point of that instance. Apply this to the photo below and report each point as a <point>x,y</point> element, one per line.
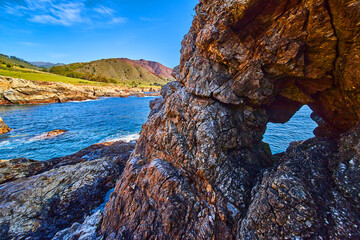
<point>118,20</point>
<point>104,10</point>
<point>63,12</point>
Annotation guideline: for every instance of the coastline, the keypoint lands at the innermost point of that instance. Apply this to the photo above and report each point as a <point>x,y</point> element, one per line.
<point>15,91</point>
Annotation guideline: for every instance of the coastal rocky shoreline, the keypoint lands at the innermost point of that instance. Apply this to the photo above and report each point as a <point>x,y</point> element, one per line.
<point>200,169</point>
<point>19,91</point>
<point>40,198</point>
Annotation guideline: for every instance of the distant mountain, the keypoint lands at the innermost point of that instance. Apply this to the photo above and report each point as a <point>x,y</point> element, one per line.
<point>15,61</point>
<point>46,64</point>
<point>153,67</point>
<point>118,70</point>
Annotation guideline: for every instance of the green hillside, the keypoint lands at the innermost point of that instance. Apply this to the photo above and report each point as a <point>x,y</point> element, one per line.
<point>16,71</point>
<point>15,61</point>
<point>111,71</point>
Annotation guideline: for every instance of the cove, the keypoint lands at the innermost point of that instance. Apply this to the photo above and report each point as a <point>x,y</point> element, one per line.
<point>87,123</point>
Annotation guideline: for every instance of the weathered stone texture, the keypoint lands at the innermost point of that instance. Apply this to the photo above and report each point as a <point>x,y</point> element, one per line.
<point>200,169</point>
<point>37,199</point>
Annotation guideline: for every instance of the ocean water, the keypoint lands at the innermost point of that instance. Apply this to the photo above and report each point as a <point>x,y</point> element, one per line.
<point>87,123</point>
<point>107,119</point>
<point>300,127</point>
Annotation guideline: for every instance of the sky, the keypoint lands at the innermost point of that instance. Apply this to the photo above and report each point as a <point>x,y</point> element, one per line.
<point>67,31</point>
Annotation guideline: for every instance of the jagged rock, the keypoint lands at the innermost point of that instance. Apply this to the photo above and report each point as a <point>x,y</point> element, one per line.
<point>37,205</point>
<point>3,127</point>
<point>208,173</point>
<point>85,231</point>
<point>11,170</point>
<point>200,159</point>
<point>303,198</point>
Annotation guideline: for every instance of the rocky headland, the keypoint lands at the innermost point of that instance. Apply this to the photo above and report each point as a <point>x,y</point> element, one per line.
<point>200,169</point>
<point>20,91</point>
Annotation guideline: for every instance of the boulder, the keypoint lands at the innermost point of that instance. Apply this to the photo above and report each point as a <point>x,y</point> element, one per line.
<point>55,133</point>
<point>3,127</point>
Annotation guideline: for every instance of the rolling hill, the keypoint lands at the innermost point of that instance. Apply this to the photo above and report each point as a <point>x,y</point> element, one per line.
<point>118,70</point>
<point>15,61</point>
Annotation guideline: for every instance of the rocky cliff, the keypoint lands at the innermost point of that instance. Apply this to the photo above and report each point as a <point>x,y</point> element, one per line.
<point>20,91</point>
<point>200,169</point>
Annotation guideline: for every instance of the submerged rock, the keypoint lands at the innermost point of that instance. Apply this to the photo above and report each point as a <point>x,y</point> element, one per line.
<point>49,135</point>
<point>53,133</point>
<point>3,127</point>
<point>42,202</point>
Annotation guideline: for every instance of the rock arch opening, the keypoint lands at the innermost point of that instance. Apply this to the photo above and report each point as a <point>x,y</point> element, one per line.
<point>299,127</point>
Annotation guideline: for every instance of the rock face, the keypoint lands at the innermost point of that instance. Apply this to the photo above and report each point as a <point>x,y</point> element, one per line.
<point>3,127</point>
<point>36,202</point>
<point>306,195</point>
<point>20,91</point>
<point>200,169</point>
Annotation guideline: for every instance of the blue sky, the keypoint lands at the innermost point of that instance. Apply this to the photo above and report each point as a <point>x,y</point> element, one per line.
<point>69,31</point>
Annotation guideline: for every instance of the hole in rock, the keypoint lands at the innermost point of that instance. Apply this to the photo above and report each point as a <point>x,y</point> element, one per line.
<point>299,127</point>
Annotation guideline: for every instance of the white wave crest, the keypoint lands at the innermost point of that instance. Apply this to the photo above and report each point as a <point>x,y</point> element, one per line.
<point>126,138</point>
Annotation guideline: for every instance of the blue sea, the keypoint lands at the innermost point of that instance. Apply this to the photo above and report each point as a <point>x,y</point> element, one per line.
<point>106,119</point>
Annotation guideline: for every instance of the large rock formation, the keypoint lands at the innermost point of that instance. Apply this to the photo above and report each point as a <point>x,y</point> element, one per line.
<point>37,199</point>
<point>200,169</point>
<point>3,127</point>
<point>20,91</point>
